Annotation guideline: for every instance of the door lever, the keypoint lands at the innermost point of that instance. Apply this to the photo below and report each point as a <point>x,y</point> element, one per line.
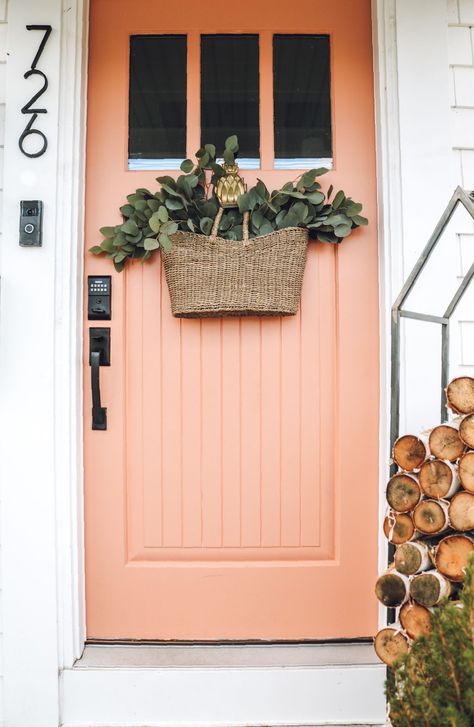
<point>99,355</point>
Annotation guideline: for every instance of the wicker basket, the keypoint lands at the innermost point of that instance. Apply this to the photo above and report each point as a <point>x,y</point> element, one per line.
<point>211,277</point>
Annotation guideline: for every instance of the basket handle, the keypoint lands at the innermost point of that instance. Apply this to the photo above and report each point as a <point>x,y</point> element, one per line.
<point>245,225</point>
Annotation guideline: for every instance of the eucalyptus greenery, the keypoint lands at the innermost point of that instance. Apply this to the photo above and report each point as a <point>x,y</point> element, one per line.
<point>188,203</point>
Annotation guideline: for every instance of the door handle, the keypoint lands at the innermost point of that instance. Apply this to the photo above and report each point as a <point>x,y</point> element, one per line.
<point>99,348</point>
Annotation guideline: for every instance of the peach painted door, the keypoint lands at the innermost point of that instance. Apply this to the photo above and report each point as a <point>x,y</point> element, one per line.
<point>234,493</point>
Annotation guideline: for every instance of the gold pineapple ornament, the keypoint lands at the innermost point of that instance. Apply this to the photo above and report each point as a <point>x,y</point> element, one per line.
<point>230,186</point>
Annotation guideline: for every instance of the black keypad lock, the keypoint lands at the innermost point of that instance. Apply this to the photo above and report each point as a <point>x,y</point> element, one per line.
<point>99,299</point>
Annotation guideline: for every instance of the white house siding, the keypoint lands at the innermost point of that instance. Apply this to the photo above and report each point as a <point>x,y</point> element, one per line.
<point>3,60</point>
<point>461,69</point>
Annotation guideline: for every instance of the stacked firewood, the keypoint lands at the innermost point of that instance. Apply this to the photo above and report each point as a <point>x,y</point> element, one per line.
<point>430,521</point>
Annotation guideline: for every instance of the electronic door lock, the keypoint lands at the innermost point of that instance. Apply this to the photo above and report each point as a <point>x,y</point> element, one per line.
<point>99,297</point>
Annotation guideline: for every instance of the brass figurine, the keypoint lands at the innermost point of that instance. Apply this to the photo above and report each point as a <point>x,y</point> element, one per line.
<point>230,186</point>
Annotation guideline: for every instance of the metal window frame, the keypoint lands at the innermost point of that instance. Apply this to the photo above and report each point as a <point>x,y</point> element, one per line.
<point>460,196</point>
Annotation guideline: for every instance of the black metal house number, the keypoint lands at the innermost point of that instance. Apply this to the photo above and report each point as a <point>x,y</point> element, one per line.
<point>28,107</point>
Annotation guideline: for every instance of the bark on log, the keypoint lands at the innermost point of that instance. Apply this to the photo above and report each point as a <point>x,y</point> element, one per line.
<point>461,511</point>
<point>466,471</point>
<point>429,588</point>
<point>438,479</point>
<point>416,620</point>
<point>460,395</point>
<point>431,517</point>
<point>411,558</point>
<point>398,528</point>
<point>466,431</point>
<point>389,644</point>
<point>403,492</point>
<point>445,442</point>
<point>452,555</point>
<point>409,452</point>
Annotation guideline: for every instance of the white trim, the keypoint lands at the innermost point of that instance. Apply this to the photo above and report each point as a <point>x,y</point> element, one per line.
<point>222,697</point>
<point>390,225</point>
<point>68,347</point>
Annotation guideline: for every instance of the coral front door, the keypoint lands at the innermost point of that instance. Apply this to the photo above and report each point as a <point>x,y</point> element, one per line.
<point>234,492</point>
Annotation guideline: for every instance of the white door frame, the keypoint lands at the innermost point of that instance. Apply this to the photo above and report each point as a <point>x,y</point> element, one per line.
<point>41,334</point>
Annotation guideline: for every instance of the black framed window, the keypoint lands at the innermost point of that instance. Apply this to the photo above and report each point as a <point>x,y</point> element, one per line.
<point>230,94</point>
<point>302,100</point>
<point>157,102</point>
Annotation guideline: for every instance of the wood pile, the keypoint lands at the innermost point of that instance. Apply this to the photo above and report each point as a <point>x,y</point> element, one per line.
<point>429,521</point>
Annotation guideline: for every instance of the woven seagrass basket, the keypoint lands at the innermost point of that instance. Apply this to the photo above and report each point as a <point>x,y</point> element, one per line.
<point>210,277</point>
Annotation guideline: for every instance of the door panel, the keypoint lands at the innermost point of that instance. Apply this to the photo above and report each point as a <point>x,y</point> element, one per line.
<point>232,496</point>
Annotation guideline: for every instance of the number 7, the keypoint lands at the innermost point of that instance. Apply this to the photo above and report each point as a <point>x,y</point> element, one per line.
<point>47,32</point>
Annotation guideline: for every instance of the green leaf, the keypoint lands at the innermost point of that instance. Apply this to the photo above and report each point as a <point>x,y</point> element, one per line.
<point>330,191</point>
<point>354,209</point>
<point>229,156</point>
<point>96,250</point>
<point>107,245</point>
<point>359,220</point>
<point>206,225</point>
<point>190,224</point>
<point>141,205</point>
<point>165,242</point>
<point>153,204</point>
<point>174,204</point>
<point>155,222</point>
<point>151,243</point>
<point>107,231</point>
<point>119,266</point>
<point>119,239</point>
<point>232,143</point>
<point>127,210</point>
<point>308,178</point>
<point>342,230</point>
<point>211,150</point>
<point>327,237</point>
<point>338,199</point>
<point>257,219</point>
<point>315,197</point>
<point>169,228</point>
<point>120,256</point>
<point>261,190</point>
<point>266,228</point>
<point>162,214</point>
<point>187,166</point>
<point>144,190</point>
<point>129,227</point>
<point>244,202</point>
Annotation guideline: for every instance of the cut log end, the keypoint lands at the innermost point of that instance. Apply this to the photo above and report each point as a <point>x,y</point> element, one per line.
<point>460,395</point>
<point>430,517</point>
<point>398,528</point>
<point>391,589</point>
<point>390,644</point>
<point>403,493</point>
<point>466,471</point>
<point>428,589</point>
<point>466,431</point>
<point>436,478</point>
<point>445,443</point>
<point>416,620</point>
<point>461,511</point>
<point>410,558</point>
<point>409,452</point>
<point>452,555</point>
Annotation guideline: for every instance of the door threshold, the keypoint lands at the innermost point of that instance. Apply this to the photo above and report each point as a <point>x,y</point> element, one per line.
<point>238,656</point>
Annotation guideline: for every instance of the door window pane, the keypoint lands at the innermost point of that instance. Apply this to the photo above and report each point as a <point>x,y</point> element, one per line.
<point>230,93</point>
<point>302,101</point>
<point>157,104</point>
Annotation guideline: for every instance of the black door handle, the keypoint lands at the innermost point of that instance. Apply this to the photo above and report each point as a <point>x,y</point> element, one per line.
<point>99,347</point>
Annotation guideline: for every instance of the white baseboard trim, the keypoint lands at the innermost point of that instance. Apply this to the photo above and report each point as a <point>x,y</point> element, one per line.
<point>223,697</point>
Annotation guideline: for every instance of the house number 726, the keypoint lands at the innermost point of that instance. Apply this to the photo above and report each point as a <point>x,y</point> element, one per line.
<point>28,107</point>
